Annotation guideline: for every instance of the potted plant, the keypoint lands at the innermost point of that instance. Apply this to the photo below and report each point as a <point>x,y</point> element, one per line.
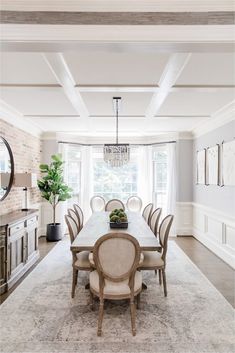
<point>53,189</point>
<point>118,219</point>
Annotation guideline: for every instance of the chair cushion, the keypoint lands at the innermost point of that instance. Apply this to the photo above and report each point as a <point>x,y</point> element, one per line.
<point>82,259</point>
<point>93,264</point>
<point>115,288</point>
<point>152,259</point>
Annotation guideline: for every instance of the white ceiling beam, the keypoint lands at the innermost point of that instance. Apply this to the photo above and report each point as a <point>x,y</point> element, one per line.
<point>172,71</point>
<point>118,5</point>
<point>117,88</point>
<point>93,88</point>
<point>60,69</point>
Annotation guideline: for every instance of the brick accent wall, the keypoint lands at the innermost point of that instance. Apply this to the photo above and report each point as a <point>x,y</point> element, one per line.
<point>26,151</point>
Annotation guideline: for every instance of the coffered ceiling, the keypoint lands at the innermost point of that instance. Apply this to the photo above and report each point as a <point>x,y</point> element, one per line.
<point>53,90</point>
<point>172,78</point>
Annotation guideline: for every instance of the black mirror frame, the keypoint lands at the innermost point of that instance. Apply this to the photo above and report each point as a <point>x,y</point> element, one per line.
<point>12,168</point>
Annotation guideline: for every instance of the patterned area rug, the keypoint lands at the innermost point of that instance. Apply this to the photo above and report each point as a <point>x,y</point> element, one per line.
<point>40,315</point>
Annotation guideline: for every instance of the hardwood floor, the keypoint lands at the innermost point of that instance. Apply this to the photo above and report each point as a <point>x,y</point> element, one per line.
<point>218,272</point>
<point>221,275</point>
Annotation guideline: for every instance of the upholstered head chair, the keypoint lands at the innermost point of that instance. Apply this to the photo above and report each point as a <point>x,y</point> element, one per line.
<point>116,257</point>
<point>113,204</point>
<point>81,259</point>
<point>154,220</point>
<point>147,212</point>
<point>134,204</point>
<point>97,203</point>
<point>75,217</point>
<point>79,213</point>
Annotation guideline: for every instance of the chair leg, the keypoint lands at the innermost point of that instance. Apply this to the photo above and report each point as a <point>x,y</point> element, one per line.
<point>133,314</point>
<point>100,319</point>
<point>155,272</point>
<point>92,301</point>
<point>138,301</point>
<point>160,277</point>
<point>164,282</point>
<point>74,282</point>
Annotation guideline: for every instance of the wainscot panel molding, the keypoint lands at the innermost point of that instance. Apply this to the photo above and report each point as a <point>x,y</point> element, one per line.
<point>184,218</point>
<point>216,231</point>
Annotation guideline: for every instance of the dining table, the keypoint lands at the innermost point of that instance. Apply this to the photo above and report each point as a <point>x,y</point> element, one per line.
<point>98,225</point>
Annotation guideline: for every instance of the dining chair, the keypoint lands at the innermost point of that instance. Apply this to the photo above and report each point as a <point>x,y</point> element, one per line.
<point>147,212</point>
<point>80,261</point>
<point>113,204</point>
<point>97,203</point>
<point>156,261</point>
<point>79,213</point>
<point>75,217</point>
<point>134,204</point>
<point>154,220</point>
<point>116,258</point>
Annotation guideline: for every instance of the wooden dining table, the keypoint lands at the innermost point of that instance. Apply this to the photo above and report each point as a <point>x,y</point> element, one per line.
<point>98,225</point>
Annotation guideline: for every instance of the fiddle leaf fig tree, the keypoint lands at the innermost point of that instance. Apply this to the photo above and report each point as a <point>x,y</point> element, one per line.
<point>52,187</point>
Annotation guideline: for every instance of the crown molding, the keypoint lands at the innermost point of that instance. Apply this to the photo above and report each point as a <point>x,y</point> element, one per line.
<point>118,5</point>
<point>219,118</point>
<point>38,34</point>
<point>15,118</point>
<point>73,138</point>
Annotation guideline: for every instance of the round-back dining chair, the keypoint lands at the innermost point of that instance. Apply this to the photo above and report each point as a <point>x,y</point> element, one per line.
<point>116,276</point>
<point>134,204</point>
<point>147,211</point>
<point>79,213</point>
<point>154,220</point>
<point>97,203</point>
<point>75,218</point>
<point>113,204</point>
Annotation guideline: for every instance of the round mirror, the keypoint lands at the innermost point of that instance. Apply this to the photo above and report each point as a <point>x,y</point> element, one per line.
<point>6,168</point>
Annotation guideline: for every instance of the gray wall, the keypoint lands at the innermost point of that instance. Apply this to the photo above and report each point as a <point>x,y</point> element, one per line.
<point>184,171</point>
<point>220,198</point>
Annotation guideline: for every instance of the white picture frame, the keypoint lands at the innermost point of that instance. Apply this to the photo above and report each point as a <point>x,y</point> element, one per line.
<point>201,167</point>
<point>212,166</point>
<point>228,163</point>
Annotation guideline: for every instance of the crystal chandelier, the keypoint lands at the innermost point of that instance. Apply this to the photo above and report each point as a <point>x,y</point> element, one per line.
<point>118,154</point>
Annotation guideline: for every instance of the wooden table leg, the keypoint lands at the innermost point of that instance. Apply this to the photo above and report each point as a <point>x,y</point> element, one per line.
<point>144,285</point>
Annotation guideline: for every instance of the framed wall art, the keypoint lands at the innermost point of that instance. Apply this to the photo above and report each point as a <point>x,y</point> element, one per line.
<point>212,166</point>
<point>228,163</point>
<point>201,167</point>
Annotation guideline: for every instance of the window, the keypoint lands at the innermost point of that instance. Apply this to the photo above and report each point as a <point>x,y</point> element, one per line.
<point>160,177</point>
<point>73,171</point>
<point>115,182</point>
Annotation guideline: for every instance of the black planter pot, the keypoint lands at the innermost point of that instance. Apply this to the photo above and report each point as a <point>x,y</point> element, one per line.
<point>54,232</point>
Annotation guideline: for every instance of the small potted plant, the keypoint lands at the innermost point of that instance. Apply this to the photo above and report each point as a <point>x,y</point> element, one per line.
<point>118,219</point>
<point>53,189</point>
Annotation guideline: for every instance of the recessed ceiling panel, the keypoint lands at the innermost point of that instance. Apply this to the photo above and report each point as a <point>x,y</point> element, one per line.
<point>25,68</point>
<point>60,124</point>
<point>195,103</point>
<point>101,104</point>
<point>38,101</point>
<point>110,68</point>
<point>209,69</point>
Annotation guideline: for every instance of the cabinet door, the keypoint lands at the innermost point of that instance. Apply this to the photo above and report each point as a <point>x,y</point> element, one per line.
<point>3,257</point>
<point>32,242</point>
<point>17,252</point>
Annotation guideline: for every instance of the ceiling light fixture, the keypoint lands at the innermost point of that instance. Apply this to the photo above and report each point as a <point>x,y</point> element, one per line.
<point>118,154</point>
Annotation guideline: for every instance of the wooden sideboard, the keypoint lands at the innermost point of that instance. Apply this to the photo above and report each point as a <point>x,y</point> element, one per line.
<point>18,246</point>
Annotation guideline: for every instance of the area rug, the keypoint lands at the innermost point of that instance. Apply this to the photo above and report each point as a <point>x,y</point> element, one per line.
<point>40,316</point>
